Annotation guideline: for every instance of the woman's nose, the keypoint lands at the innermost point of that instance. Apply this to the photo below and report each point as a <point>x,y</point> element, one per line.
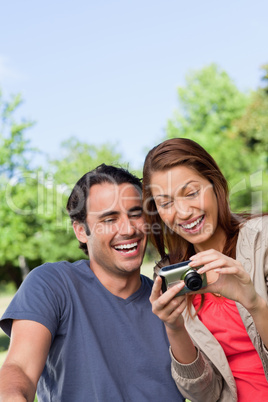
<point>183,209</point>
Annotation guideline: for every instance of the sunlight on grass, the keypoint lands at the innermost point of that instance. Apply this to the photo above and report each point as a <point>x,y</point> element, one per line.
<point>6,293</point>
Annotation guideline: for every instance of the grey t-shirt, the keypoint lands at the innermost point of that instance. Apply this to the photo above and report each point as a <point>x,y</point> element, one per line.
<point>104,348</point>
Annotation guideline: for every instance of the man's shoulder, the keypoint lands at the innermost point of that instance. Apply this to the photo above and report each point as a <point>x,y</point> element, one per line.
<point>59,269</point>
<point>63,265</point>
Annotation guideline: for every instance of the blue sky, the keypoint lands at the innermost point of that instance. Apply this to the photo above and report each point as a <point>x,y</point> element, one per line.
<point>106,71</point>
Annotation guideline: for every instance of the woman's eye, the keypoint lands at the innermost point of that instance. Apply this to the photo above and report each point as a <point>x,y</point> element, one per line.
<point>193,194</point>
<point>165,204</point>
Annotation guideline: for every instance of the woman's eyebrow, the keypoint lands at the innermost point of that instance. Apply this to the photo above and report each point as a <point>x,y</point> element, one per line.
<point>187,184</point>
<point>181,189</point>
<point>162,195</point>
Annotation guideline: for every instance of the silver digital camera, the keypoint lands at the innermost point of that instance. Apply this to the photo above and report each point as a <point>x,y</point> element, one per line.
<point>175,273</point>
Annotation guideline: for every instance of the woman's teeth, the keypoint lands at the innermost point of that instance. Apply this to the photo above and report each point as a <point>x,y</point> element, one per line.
<point>193,224</point>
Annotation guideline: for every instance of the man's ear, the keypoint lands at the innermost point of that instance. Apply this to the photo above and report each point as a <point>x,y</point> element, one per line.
<point>80,232</point>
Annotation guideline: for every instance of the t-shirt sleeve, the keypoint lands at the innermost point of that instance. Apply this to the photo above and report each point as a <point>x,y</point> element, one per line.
<point>40,298</point>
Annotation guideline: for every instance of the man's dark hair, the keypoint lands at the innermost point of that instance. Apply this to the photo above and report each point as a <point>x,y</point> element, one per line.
<point>77,202</point>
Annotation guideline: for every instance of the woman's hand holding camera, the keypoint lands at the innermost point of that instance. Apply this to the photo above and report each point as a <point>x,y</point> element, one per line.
<point>232,280</point>
<point>168,307</point>
<point>234,283</point>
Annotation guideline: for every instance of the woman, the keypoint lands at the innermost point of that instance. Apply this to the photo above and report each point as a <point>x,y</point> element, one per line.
<point>219,340</point>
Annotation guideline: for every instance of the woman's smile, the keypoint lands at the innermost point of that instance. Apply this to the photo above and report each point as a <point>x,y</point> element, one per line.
<point>193,225</point>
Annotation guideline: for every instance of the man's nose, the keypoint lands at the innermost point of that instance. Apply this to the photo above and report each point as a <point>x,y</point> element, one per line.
<point>126,227</point>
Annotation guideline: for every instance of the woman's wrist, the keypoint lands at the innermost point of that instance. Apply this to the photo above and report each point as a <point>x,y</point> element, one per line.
<point>174,329</point>
<point>181,345</point>
<point>259,307</point>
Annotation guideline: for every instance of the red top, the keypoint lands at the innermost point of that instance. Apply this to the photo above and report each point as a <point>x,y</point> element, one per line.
<point>221,317</point>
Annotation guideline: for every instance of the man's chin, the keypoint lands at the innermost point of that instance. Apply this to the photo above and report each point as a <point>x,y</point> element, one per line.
<point>130,269</point>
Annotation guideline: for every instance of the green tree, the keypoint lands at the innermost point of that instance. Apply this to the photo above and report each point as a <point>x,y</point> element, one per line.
<point>78,158</point>
<point>209,105</point>
<point>15,157</point>
<point>14,147</point>
<point>19,225</point>
<point>252,127</point>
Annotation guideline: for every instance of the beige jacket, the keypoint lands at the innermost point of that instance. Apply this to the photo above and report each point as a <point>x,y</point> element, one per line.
<point>209,377</point>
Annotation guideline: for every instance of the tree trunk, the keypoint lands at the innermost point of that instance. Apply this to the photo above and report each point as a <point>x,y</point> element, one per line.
<point>23,267</point>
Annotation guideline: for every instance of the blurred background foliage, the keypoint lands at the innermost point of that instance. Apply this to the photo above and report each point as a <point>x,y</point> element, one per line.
<point>35,227</point>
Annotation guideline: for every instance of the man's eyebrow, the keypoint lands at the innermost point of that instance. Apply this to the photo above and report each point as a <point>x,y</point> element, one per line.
<point>135,209</point>
<point>108,213</point>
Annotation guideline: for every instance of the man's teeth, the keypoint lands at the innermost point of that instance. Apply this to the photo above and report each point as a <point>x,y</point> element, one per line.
<point>191,225</point>
<point>127,247</point>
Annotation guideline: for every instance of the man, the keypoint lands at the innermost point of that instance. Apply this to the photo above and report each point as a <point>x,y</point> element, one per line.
<point>84,331</point>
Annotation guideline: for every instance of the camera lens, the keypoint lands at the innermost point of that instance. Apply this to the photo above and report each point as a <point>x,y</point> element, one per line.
<point>193,280</point>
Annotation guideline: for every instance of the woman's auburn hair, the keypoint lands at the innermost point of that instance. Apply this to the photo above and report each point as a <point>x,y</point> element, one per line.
<point>165,156</point>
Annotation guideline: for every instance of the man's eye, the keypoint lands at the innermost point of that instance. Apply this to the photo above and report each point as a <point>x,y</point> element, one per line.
<point>137,214</point>
<point>109,220</point>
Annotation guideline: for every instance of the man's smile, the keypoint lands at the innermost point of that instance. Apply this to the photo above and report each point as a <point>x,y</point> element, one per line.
<point>127,247</point>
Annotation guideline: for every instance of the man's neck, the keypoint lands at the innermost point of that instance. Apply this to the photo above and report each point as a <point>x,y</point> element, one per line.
<point>123,285</point>
<point>124,290</point>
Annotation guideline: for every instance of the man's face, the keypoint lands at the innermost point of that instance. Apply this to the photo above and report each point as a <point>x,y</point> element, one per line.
<point>117,239</point>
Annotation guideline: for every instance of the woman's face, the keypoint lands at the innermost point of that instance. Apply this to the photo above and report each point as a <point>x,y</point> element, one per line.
<point>186,202</point>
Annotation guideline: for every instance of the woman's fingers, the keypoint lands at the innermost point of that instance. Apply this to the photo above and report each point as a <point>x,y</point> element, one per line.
<point>214,260</point>
<point>156,289</point>
<point>168,306</point>
<point>160,301</point>
<point>205,254</point>
<point>232,280</point>
<point>163,312</point>
<point>208,257</point>
<point>216,264</point>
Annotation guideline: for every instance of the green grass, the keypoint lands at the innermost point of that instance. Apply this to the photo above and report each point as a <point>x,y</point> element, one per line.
<point>4,342</point>
<point>6,293</point>
<point>7,289</point>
